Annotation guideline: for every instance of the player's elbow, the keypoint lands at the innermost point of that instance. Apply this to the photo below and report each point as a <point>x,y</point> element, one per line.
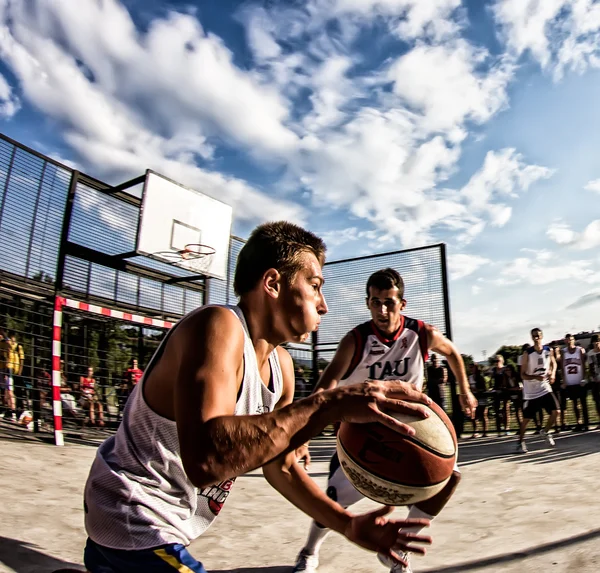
<point>203,473</point>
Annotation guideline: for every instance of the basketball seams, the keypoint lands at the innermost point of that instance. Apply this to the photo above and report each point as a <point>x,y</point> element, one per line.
<point>382,477</point>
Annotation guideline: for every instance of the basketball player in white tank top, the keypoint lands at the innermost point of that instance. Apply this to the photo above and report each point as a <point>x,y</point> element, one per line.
<point>574,387</point>
<point>538,371</point>
<point>215,403</point>
<point>389,347</point>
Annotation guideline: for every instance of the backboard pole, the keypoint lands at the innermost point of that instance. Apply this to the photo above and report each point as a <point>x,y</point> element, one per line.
<point>64,233</point>
<point>444,265</point>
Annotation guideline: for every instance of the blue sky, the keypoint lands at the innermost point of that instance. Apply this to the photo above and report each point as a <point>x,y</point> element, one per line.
<point>381,124</point>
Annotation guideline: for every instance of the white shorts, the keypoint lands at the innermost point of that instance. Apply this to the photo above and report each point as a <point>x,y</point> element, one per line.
<point>8,382</point>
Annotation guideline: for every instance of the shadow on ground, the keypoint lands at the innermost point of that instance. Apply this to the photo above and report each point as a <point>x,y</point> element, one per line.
<point>276,569</point>
<point>495,562</point>
<point>23,557</point>
<point>569,445</point>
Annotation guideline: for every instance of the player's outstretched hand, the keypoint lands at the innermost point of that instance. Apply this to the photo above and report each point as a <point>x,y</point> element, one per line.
<point>370,401</point>
<point>376,532</point>
<point>468,403</point>
<point>303,456</point>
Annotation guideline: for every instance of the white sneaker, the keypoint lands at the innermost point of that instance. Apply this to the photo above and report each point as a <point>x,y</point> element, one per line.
<point>548,437</point>
<point>306,563</point>
<point>395,567</point>
<point>521,448</point>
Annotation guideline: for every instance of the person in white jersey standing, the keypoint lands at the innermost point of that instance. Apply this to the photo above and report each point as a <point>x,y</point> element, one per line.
<point>394,347</point>
<point>538,370</point>
<point>216,402</point>
<point>593,360</point>
<point>574,383</point>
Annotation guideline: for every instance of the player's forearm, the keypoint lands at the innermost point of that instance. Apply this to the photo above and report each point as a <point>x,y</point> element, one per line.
<point>234,445</point>
<point>457,366</point>
<point>302,491</point>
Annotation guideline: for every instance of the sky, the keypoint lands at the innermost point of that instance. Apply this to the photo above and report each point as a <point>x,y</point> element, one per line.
<point>379,124</point>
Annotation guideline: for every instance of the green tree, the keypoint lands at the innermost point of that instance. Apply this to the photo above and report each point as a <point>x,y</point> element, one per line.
<point>510,353</point>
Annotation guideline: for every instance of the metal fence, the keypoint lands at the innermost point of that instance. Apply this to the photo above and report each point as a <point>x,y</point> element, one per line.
<point>425,289</point>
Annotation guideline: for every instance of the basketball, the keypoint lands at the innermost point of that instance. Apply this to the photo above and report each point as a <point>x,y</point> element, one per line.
<point>395,469</point>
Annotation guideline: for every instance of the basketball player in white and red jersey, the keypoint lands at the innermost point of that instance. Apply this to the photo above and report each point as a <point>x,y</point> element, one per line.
<point>390,346</point>
<point>574,384</point>
<point>593,360</point>
<point>538,370</point>
<point>216,402</point>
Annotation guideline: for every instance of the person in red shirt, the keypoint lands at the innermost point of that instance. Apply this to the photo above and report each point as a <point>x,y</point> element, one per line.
<point>131,377</point>
<point>133,374</point>
<point>89,398</point>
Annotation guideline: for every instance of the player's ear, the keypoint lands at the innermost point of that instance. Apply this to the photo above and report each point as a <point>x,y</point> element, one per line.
<point>367,301</point>
<point>272,282</point>
<point>402,304</point>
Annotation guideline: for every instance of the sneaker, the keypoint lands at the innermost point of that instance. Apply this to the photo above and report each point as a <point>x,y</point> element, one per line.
<point>548,437</point>
<point>306,563</point>
<point>395,567</point>
<point>521,448</point>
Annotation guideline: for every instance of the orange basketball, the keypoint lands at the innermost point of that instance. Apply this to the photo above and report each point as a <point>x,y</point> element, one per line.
<point>395,469</point>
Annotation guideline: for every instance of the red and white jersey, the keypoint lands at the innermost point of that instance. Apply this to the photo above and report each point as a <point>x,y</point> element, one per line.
<point>401,357</point>
<point>573,366</point>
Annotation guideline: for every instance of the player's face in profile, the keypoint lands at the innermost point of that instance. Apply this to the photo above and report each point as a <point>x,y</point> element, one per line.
<point>303,300</point>
<point>386,308</point>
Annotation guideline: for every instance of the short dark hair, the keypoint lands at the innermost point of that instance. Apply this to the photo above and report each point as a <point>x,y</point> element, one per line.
<point>595,338</point>
<point>534,330</point>
<point>568,335</point>
<point>277,245</point>
<point>525,347</point>
<point>385,279</point>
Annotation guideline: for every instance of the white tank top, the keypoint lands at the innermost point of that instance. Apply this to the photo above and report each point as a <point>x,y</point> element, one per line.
<point>573,366</point>
<point>376,358</point>
<point>138,495</point>
<point>538,364</point>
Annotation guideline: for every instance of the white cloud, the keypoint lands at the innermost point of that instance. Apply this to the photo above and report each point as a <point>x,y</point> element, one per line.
<point>562,234</point>
<point>444,83</point>
<point>593,185</point>
<point>462,265</point>
<point>561,34</point>
<point>128,100</point>
<point>9,102</point>
<point>540,272</point>
<point>169,97</point>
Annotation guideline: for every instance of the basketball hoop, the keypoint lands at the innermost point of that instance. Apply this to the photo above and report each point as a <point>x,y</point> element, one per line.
<point>194,257</point>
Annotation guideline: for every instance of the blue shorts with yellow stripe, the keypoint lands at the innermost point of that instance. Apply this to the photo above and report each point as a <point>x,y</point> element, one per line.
<point>164,559</point>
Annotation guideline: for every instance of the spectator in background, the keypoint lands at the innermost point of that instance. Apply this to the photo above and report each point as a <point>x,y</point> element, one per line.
<point>437,377</point>
<point>574,384</point>
<point>89,400</point>
<point>6,376</point>
<point>500,386</point>
<point>558,391</point>
<point>514,392</point>
<point>593,359</point>
<point>479,389</point>
<point>67,397</point>
<point>15,362</point>
<point>131,377</point>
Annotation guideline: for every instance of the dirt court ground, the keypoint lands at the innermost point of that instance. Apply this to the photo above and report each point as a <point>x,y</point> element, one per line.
<point>538,512</point>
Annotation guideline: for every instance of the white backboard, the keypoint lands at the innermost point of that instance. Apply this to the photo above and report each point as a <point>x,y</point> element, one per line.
<point>173,216</point>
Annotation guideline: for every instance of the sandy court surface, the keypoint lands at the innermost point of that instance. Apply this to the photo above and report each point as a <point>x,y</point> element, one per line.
<point>513,513</point>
